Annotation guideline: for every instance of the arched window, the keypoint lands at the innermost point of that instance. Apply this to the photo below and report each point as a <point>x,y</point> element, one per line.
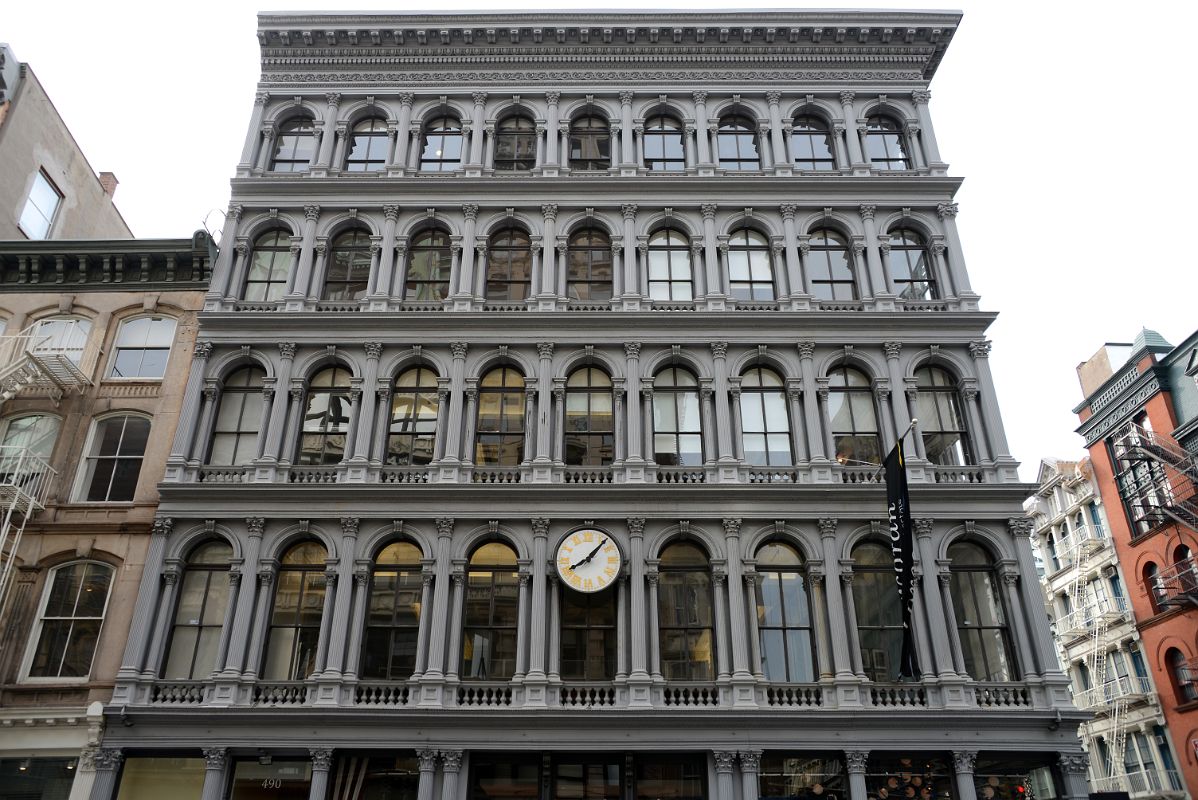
<point>442,145</point>
<point>294,633</point>
<point>269,268</point>
<point>414,405</point>
<point>326,419</point>
<point>65,336</point>
<point>25,436</point>
<point>1187,569</point>
<point>491,615</point>
<point>590,143</point>
<point>509,266</point>
<point>765,422</point>
<point>670,266</point>
<point>750,269</point>
<point>235,433</point>
<point>942,419</point>
<point>911,266</point>
<point>499,441</point>
<point>852,417</point>
<point>1152,583</point>
<point>677,430</point>
<point>685,621</point>
<point>143,345</point>
<point>981,620</point>
<point>590,425</point>
<point>736,142</point>
<point>811,144</point>
<point>665,150</point>
<point>830,266</point>
<point>295,144</point>
<point>589,266</point>
<point>879,613</point>
<point>69,619</point>
<point>884,145</point>
<point>784,615</point>
<point>113,461</point>
<point>349,267</point>
<point>393,614</point>
<point>1183,675</point>
<point>368,143</point>
<point>429,265</point>
<point>200,613</point>
<point>515,144</point>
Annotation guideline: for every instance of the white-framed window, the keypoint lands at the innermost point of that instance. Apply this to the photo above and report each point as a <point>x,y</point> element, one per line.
<point>63,335</point>
<point>69,619</point>
<point>143,345</point>
<point>26,443</point>
<point>40,207</point>
<point>112,459</point>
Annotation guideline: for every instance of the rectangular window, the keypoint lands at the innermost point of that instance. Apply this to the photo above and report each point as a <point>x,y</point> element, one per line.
<point>68,626</point>
<point>37,778</point>
<point>113,460</point>
<point>142,347</point>
<point>154,778</point>
<point>278,780</point>
<point>40,207</point>
<point>802,776</point>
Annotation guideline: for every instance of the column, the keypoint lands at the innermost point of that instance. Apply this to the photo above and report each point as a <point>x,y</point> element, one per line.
<point>779,144</point>
<point>1074,767</point>
<point>215,759</point>
<point>621,627</point>
<point>790,243</point>
<point>226,628</point>
<point>385,277</point>
<point>428,773</point>
<point>737,423</point>
<point>991,418</point>
<point>267,148</point>
<point>617,268</point>
<point>522,632</point>
<point>183,448</point>
<point>555,627</point>
<point>855,761</point>
<point>850,120</point>
<point>451,765</point>
<point>763,140</point>
<point>531,434</point>
<point>322,759</point>
<point>357,621</point>
<point>723,425</point>
<point>1019,619</point>
<point>536,661</point>
<point>240,635</point>
<point>754,633</point>
<point>303,275</point>
<point>647,417</point>
<point>548,266</point>
<point>711,449</point>
<point>254,133</point>
<point>815,438</point>
<point>456,601</point>
<point>719,586</point>
<point>331,596</point>
<point>701,140</point>
<point>441,436</point>
<point>920,98</point>
<point>715,282</point>
<point>551,126</point>
<point>798,433</point>
<point>944,579</point>
<point>344,595</point>
<point>688,145</point>
<point>850,617</point>
<point>841,658</point>
<point>471,393</point>
<point>723,774</point>
<point>698,269</point>
<point>652,576</point>
<point>632,354</point>
<point>631,283</point>
<point>557,426</point>
<point>325,155</point>
<point>262,603</point>
<point>106,762</point>
<point>627,153</point>
<point>1021,530</point>
<point>963,761</point>
<point>477,125</point>
<point>819,620</point>
<point>956,254</point>
<point>736,601</point>
<point>148,603</point>
<point>438,633</point>
<point>489,163</point>
<point>370,378</point>
<point>319,268</point>
<point>170,584</point>
<point>457,370</point>
<point>465,277</point>
<point>638,670</point>
<point>977,429</point>
<point>278,410</point>
<point>399,158</point>
<point>750,765</point>
<point>879,277</point>
<point>232,254</point>
<point>898,397</point>
<point>911,129</point>
<point>938,621</point>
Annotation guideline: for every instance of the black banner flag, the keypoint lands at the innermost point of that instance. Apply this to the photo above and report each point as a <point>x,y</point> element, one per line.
<point>898,502</point>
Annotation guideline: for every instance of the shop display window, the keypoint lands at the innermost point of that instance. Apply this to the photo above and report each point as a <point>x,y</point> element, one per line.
<point>279,780</point>
<point>156,778</point>
<point>802,776</point>
<point>375,777</point>
<point>1006,777</point>
<point>36,778</point>
<point>908,777</point>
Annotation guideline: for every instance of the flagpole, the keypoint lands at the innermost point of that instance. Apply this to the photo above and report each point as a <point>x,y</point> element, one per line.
<point>910,428</point>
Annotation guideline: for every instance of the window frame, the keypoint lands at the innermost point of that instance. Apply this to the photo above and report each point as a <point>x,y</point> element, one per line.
<point>279,249</point>
<point>591,603</point>
<point>6,428</point>
<point>592,245</point>
<point>511,129</point>
<point>941,393</point>
<point>755,246</point>
<point>370,137</point>
<point>283,129</point>
<point>84,475</point>
<point>785,626</point>
<point>431,241</point>
<point>761,392</point>
<point>35,633</point>
<point>673,392</point>
<point>333,389</point>
<point>877,579</point>
<point>677,254</point>
<point>212,572</point>
<point>510,243</point>
<point>665,573</point>
<point>848,391</point>
<point>656,131</point>
<point>977,631</point>
<point>820,241</point>
<point>510,575</point>
<point>741,130</point>
<point>589,432</point>
<point>117,348</point>
<point>295,624</point>
<point>439,128</point>
<point>44,177</point>
<point>593,133</point>
<point>414,426</point>
<point>347,250</point>
<point>814,126</point>
<point>876,131</point>
<point>403,572</point>
<point>502,434</point>
<point>908,242</point>
<point>228,390</point>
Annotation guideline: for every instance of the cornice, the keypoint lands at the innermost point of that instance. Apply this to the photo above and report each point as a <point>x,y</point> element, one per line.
<point>1151,381</point>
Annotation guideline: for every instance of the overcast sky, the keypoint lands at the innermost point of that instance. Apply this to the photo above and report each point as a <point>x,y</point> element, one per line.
<point>1070,122</point>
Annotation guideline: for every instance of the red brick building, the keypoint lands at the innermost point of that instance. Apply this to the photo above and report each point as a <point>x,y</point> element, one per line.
<point>1140,423</point>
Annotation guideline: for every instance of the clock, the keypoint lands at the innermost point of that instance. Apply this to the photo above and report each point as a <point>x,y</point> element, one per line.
<point>588,560</point>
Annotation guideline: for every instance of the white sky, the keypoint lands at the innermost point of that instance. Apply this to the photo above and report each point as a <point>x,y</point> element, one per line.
<point>1069,120</point>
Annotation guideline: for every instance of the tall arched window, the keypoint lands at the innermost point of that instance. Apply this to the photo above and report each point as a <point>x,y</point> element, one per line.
<point>1183,676</point>
<point>64,335</point>
<point>981,620</point>
<point>589,267</point>
<point>879,614</point>
<point>765,421</point>
<point>670,266</point>
<point>295,144</point>
<point>665,150</point>
<point>1152,583</point>
<point>414,404</point>
<point>442,150</point>
<point>515,144</point>
<point>294,633</point>
<point>349,267</point>
<point>368,141</point>
<point>677,429</point>
<point>750,268</point>
<point>509,266</point>
<point>852,417</point>
<point>142,347</point>
<point>269,267</point>
<point>685,620</point>
<point>235,433</point>
<point>590,424</point>
<point>590,143</point>
<point>491,616</point>
<point>784,615</point>
<point>393,615</point>
<point>942,419</point>
<point>884,145</point>
<point>429,265</point>
<point>326,418</point>
<point>736,142</point>
<point>69,620</point>
<point>113,461</point>
<point>25,436</point>
<point>911,266</point>
<point>588,634</point>
<point>811,143</point>
<point>830,266</point>
<point>200,613</point>
<point>499,441</point>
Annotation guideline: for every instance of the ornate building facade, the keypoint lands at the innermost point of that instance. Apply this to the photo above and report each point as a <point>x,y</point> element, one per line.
<point>531,444</point>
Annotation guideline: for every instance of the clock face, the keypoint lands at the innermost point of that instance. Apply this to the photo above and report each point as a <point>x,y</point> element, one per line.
<point>588,560</point>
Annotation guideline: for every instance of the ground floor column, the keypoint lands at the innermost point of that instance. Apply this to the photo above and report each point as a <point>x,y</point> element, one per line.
<point>215,759</point>
<point>322,759</point>
<point>1074,785</point>
<point>963,761</point>
<point>856,761</point>
<point>106,762</point>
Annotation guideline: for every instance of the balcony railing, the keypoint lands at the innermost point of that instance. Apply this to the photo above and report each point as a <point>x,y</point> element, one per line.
<point>1131,688</point>
<point>1081,621</point>
<point>1081,541</point>
<point>1142,783</point>
<point>1177,585</point>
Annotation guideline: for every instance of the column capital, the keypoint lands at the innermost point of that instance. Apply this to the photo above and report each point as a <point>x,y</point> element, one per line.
<point>773,98</point>
<point>846,98</point>
<point>855,760</point>
<point>1020,527</point>
<point>920,97</point>
<point>724,760</point>
<point>322,758</point>
<point>373,349</point>
<point>445,526</point>
<point>349,526</point>
<point>980,348</point>
<point>162,526</point>
<point>545,350</point>
<point>632,349</point>
<point>333,99</point>
<point>788,210</point>
<point>470,210</point>
<point>731,527</point>
<point>407,98</point>
<point>719,349</point>
<point>427,759</point>
<point>214,757</point>
<point>311,212</point>
<point>946,210</point>
<point>552,97</point>
<point>750,760</point>
<point>628,210</point>
<point>626,97</point>
<point>1074,763</point>
<point>827,527</point>
<point>479,98</point>
<point>806,349</point>
<point>867,210</point>
<point>391,212</point>
<point>699,97</point>
<point>451,760</point>
<point>964,760</point>
<point>457,349</point>
<point>540,526</point>
<point>923,526</point>
<point>708,210</point>
<point>261,98</point>
<point>636,526</point>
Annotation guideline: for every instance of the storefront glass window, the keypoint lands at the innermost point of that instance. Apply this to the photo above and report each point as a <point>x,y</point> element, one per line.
<point>376,777</point>
<point>278,780</point>
<point>676,778</point>
<point>36,778</point>
<point>913,777</point>
<point>802,776</point>
<point>155,778</point>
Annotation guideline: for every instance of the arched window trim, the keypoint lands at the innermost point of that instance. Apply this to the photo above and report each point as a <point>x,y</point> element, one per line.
<point>85,471</point>
<point>935,401</point>
<point>212,574</point>
<point>296,154</point>
<point>1183,674</point>
<point>277,269</point>
<point>589,141</point>
<point>312,579</point>
<point>35,634</point>
<point>155,349</point>
<point>441,142</point>
<point>375,140</point>
<point>432,283</point>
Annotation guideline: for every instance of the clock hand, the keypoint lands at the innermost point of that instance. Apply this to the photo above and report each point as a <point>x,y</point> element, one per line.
<point>590,555</point>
